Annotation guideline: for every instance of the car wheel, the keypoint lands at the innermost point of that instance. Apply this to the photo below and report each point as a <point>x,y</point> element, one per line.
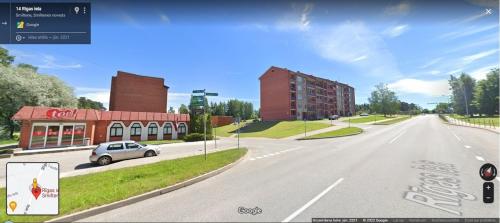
<point>149,154</point>
<point>105,160</point>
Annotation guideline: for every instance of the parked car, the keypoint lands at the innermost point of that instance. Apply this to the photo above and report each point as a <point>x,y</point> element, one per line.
<point>108,152</point>
<point>363,114</point>
<point>333,117</point>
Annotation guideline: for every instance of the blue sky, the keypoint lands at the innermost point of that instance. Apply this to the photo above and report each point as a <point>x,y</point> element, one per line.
<point>224,46</point>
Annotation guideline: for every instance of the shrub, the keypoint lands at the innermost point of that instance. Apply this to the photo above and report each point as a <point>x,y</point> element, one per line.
<point>193,137</point>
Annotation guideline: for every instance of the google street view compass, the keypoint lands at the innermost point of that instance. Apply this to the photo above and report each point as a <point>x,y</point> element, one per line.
<point>488,172</point>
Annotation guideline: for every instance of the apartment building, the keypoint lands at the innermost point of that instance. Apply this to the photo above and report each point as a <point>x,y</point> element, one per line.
<point>289,95</point>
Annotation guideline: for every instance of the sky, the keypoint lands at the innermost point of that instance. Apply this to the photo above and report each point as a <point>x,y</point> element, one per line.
<point>225,46</point>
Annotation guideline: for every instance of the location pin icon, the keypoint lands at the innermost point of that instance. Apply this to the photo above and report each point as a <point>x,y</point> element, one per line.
<point>13,205</point>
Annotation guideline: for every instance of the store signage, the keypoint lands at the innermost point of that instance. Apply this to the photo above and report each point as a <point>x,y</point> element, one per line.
<point>60,113</point>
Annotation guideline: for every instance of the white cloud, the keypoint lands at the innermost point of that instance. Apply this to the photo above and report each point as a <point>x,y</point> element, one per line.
<point>432,62</point>
<point>396,31</point>
<point>467,32</point>
<point>425,87</point>
<point>49,62</point>
<point>480,73</point>
<point>354,43</point>
<point>402,8</point>
<point>478,56</point>
<point>164,18</point>
<point>435,72</point>
<point>95,94</point>
<point>296,20</point>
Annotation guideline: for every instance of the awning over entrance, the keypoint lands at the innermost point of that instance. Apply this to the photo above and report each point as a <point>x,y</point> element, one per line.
<point>71,114</point>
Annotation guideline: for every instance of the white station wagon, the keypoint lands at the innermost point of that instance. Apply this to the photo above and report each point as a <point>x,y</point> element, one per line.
<point>108,152</point>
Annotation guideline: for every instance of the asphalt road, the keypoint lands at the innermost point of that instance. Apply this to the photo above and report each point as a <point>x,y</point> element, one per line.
<point>416,168</point>
<point>77,162</point>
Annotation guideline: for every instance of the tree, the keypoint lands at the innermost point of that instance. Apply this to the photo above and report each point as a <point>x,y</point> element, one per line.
<point>362,108</point>
<point>183,109</point>
<point>196,118</point>
<point>383,100</point>
<point>442,108</point>
<point>84,102</point>
<point>5,58</point>
<point>171,110</point>
<point>486,94</point>
<point>20,87</point>
<point>462,89</point>
<point>27,66</point>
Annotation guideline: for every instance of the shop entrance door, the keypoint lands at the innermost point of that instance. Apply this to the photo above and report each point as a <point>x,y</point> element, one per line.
<point>47,135</point>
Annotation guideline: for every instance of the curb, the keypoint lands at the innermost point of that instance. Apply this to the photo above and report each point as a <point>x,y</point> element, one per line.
<point>117,204</point>
<point>469,126</point>
<point>51,151</point>
<point>353,134</point>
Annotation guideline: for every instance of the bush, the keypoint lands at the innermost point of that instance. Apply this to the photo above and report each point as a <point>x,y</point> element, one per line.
<point>193,137</point>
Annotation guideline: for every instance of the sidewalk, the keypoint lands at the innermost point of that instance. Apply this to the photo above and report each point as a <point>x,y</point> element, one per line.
<point>453,121</point>
<point>309,133</point>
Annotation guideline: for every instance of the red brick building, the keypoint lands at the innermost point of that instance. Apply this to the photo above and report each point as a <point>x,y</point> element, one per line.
<point>132,92</point>
<point>137,112</point>
<point>289,95</point>
<point>46,127</point>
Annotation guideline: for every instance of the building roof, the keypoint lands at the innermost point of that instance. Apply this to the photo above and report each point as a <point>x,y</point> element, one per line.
<point>72,114</point>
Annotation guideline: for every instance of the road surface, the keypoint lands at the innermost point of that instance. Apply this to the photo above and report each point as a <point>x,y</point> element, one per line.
<point>400,170</point>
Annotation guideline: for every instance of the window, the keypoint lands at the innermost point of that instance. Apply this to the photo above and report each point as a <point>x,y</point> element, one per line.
<point>135,130</point>
<point>153,129</point>
<point>132,146</point>
<point>117,146</point>
<point>167,129</point>
<point>116,130</point>
<point>182,128</point>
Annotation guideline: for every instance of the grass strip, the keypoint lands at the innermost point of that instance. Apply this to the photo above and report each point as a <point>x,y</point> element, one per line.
<point>392,121</point>
<point>86,191</point>
<point>347,131</point>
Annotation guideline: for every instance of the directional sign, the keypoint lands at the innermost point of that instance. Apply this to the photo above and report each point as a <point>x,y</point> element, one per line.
<point>212,94</point>
<point>198,91</point>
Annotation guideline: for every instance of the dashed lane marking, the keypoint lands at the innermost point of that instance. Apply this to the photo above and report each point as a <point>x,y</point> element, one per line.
<point>468,147</point>
<point>400,134</point>
<point>479,158</point>
<point>311,202</point>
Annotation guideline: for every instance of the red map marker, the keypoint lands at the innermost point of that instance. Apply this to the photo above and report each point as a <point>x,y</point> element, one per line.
<point>36,191</point>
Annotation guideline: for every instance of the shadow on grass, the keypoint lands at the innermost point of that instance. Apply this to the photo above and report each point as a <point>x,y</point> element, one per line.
<point>256,127</point>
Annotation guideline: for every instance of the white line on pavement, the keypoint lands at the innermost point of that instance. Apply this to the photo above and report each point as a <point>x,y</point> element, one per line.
<point>468,147</point>
<point>311,202</point>
<point>252,159</point>
<point>479,158</point>
<point>258,157</point>
<point>400,134</point>
<point>458,138</point>
<point>498,178</point>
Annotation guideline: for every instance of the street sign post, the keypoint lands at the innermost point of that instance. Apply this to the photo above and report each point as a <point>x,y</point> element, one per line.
<point>199,101</point>
<point>237,122</point>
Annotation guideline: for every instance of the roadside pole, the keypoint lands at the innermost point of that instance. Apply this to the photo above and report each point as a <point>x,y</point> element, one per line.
<point>196,102</point>
<point>238,123</point>
<point>205,123</point>
<point>215,135</point>
<point>349,122</point>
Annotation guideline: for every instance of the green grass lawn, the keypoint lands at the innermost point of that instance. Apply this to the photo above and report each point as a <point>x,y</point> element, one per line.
<point>370,118</point>
<point>160,142</point>
<point>486,121</point>
<point>393,120</point>
<point>86,191</point>
<point>336,133</point>
<point>275,129</point>
<point>8,141</point>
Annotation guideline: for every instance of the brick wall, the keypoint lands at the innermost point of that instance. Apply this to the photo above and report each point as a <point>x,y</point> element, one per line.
<point>275,95</point>
<point>130,92</point>
<point>221,120</point>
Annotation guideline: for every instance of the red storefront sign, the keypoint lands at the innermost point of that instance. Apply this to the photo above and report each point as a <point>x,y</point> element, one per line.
<point>61,113</point>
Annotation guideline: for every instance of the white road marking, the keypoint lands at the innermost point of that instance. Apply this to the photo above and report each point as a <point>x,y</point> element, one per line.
<point>498,178</point>
<point>259,157</point>
<point>400,134</point>
<point>458,138</point>
<point>468,147</point>
<point>311,202</point>
<point>368,127</point>
<point>479,158</point>
<point>252,159</point>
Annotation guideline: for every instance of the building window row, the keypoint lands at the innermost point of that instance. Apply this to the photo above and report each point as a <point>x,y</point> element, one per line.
<point>116,129</point>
